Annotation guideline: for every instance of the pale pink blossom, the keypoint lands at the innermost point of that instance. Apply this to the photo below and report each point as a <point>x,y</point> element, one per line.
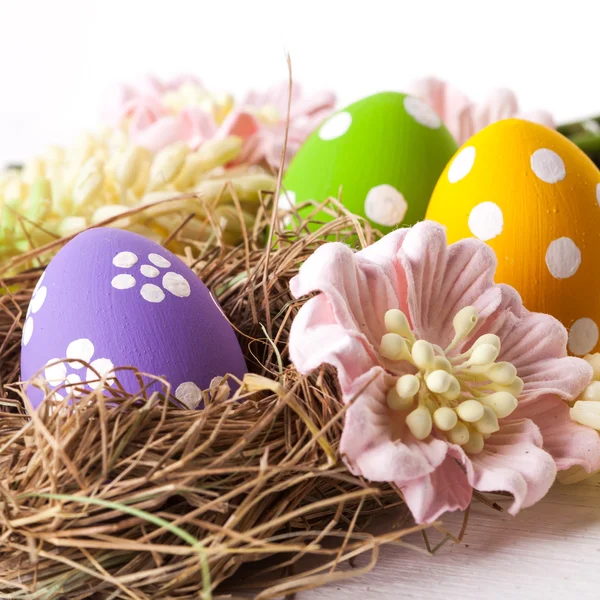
<point>463,117</point>
<point>415,271</point>
<point>306,114</point>
<point>260,119</point>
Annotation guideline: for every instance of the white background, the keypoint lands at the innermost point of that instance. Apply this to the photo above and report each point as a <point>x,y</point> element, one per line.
<point>59,57</point>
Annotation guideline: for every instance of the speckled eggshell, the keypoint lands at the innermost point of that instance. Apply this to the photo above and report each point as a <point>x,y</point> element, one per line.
<point>534,197</point>
<point>114,298</point>
<point>385,153</point>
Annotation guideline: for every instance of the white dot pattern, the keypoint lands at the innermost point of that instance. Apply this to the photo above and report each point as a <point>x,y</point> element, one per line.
<point>152,293</point>
<point>563,258</point>
<point>285,203</point>
<point>335,126</point>
<point>548,166</point>
<point>124,260</point>
<point>176,284</point>
<point>103,367</point>
<point>486,221</point>
<point>73,380</point>
<point>38,299</point>
<point>189,394</point>
<point>583,336</point>
<point>385,205</point>
<point>55,373</point>
<point>81,349</point>
<point>124,281</point>
<point>598,193</point>
<point>149,271</point>
<point>422,112</point>
<point>27,331</point>
<point>462,164</point>
<point>159,261</point>
<point>39,283</point>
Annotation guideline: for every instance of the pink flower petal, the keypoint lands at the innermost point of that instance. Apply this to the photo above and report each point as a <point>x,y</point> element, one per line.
<point>375,442</point>
<point>568,442</point>
<point>158,135</point>
<point>142,112</point>
<point>500,104</point>
<point>536,344</point>
<point>444,490</point>
<point>197,126</point>
<point>319,105</point>
<point>464,118</point>
<point>449,103</point>
<point>358,290</point>
<point>513,461</point>
<point>240,123</point>
<point>543,117</point>
<point>442,280</point>
<point>176,82</point>
<point>114,101</point>
<point>317,338</point>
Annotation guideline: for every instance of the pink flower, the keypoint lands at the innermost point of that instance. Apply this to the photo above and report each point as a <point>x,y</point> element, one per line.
<point>154,117</point>
<point>270,112</point>
<point>465,118</point>
<point>427,350</point>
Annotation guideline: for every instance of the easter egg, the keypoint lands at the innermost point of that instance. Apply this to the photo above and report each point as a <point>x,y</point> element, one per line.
<point>111,298</point>
<point>384,155</point>
<point>534,197</point>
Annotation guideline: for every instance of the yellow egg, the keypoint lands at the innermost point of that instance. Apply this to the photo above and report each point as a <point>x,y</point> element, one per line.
<point>534,197</point>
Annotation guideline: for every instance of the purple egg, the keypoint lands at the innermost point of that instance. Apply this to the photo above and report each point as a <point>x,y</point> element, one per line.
<point>113,298</point>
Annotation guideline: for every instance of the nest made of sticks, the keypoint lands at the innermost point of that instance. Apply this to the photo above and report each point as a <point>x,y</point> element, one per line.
<point>131,496</point>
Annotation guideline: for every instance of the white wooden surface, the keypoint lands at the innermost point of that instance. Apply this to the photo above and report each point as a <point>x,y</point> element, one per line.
<point>551,550</point>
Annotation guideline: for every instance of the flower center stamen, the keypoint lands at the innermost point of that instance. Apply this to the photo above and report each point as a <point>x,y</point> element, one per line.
<point>458,396</point>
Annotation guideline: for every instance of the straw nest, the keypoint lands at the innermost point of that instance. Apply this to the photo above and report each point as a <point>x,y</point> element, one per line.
<point>131,496</point>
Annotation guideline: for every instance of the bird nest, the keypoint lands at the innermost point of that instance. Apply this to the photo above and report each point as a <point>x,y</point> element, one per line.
<point>116,495</point>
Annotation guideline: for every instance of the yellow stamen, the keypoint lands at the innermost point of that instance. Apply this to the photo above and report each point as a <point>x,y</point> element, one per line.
<point>396,322</point>
<point>393,347</point>
<point>470,410</point>
<point>502,403</point>
<point>419,422</point>
<point>461,395</point>
<point>445,418</point>
<point>475,443</point>
<point>422,353</point>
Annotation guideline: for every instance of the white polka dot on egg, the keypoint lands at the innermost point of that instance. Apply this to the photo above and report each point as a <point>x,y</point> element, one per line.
<point>73,380</point>
<point>462,164</point>
<point>38,299</point>
<point>152,293</point>
<point>124,260</point>
<point>158,260</point>
<point>563,258</point>
<point>422,113</point>
<point>149,271</point>
<point>80,349</point>
<point>335,126</point>
<point>486,221</point>
<point>56,373</point>
<point>123,281</point>
<point>176,284</point>
<point>285,203</point>
<point>385,205</point>
<point>103,366</point>
<point>598,194</point>
<point>39,283</point>
<point>27,331</point>
<point>548,166</point>
<point>583,336</point>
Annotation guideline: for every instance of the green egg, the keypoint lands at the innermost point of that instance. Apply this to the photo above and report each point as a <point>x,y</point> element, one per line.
<point>382,155</point>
